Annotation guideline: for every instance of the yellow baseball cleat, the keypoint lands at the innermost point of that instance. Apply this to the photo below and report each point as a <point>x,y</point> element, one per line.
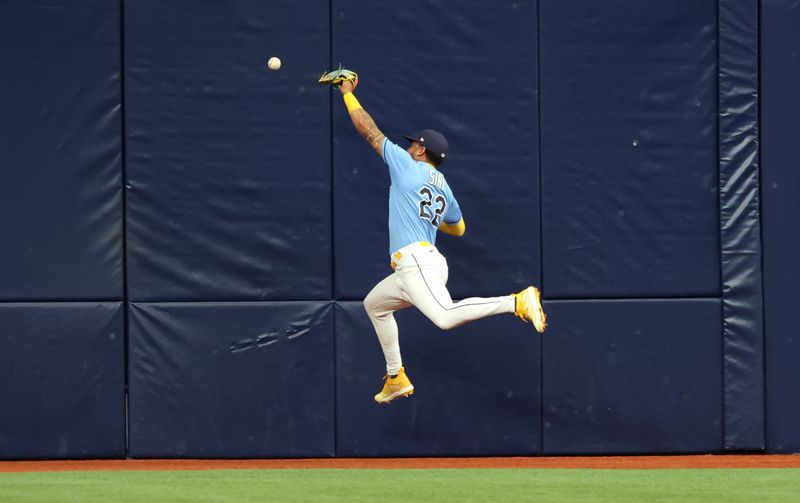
<point>395,387</point>
<point>528,306</point>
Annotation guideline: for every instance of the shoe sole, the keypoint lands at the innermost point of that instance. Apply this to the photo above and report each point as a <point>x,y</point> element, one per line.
<point>539,319</point>
<point>407,391</point>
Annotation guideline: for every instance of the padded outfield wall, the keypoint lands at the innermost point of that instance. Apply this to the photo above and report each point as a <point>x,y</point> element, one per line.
<point>186,237</point>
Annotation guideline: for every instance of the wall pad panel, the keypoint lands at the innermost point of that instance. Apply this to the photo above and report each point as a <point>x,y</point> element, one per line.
<point>62,381</point>
<point>60,144</point>
<point>740,225</point>
<point>228,163</point>
<point>629,149</point>
<point>231,380</point>
<point>624,377</point>
<point>780,150</point>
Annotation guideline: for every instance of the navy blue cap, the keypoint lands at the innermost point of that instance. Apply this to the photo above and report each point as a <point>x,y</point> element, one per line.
<point>433,141</point>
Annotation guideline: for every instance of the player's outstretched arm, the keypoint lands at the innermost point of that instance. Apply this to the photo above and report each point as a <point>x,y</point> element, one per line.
<point>363,122</point>
<point>456,229</point>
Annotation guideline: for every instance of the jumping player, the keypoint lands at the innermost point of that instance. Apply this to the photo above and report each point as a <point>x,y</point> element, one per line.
<point>420,203</point>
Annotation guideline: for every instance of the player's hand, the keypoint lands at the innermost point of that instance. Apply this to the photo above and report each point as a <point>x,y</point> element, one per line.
<point>348,86</point>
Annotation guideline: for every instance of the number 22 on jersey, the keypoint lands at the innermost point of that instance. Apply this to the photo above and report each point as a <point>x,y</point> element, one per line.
<point>438,204</point>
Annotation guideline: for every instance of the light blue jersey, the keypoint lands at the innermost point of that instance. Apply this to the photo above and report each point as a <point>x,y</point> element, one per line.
<point>419,199</point>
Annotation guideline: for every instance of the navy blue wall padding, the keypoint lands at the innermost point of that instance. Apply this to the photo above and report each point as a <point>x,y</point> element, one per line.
<point>632,376</point>
<point>62,380</point>
<point>629,160</point>
<point>228,163</point>
<point>780,151</point>
<point>231,380</point>
<point>61,181</point>
<point>477,388</point>
<point>471,73</point>
<point>742,296</point>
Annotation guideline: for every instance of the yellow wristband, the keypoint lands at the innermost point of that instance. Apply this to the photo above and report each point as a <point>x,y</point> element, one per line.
<point>351,102</point>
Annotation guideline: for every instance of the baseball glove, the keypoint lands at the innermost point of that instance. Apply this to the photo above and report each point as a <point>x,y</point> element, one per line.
<point>336,77</point>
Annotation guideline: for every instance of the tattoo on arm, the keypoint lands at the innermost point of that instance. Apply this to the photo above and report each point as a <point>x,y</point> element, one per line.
<point>367,128</point>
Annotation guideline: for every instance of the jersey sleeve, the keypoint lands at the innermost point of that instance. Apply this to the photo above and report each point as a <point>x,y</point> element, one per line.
<point>453,213</point>
<point>395,157</point>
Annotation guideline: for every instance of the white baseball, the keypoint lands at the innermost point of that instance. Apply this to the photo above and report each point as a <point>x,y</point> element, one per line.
<point>274,63</point>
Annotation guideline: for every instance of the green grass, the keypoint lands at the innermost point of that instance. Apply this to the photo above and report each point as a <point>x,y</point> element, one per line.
<point>384,486</point>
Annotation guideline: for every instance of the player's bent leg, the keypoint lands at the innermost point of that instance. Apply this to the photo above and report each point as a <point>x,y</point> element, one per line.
<point>381,303</point>
<point>423,280</point>
<point>447,316</point>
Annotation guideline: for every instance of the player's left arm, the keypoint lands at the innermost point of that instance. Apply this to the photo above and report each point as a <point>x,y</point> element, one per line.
<point>453,219</point>
<point>363,121</point>
<point>456,229</point>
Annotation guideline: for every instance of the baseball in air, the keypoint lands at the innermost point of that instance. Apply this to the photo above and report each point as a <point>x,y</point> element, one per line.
<point>274,63</point>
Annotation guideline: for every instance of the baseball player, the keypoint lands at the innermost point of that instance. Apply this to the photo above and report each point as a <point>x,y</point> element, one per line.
<point>420,204</point>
